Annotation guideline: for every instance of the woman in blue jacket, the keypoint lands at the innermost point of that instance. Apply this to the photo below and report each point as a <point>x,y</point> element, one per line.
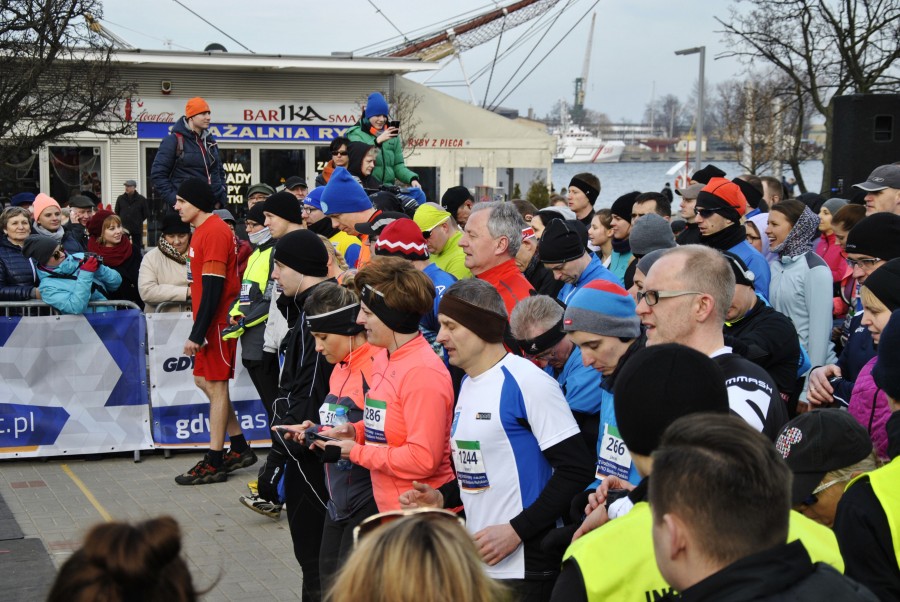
<point>801,285</point>
<point>18,277</point>
<point>190,151</point>
<point>69,282</point>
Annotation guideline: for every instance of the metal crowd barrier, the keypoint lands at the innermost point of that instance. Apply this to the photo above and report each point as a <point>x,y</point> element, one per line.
<point>34,308</point>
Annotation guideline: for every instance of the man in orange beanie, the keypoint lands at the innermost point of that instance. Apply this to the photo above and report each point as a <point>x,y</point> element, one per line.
<point>190,151</point>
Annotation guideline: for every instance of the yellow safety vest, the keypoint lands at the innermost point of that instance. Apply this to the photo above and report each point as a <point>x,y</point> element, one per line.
<point>886,486</point>
<point>617,560</point>
<point>257,272</point>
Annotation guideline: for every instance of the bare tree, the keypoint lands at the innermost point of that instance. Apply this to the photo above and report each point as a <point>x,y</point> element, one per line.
<point>825,48</point>
<point>403,108</point>
<point>57,77</point>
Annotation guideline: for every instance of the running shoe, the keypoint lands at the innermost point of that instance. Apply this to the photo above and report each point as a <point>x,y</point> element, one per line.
<point>264,507</point>
<point>202,473</point>
<point>233,460</point>
<point>253,487</point>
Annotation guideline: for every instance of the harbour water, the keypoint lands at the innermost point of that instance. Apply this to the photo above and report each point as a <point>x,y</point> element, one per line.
<point>618,178</point>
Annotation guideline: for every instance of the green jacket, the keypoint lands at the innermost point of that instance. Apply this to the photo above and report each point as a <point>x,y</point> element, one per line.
<point>389,165</point>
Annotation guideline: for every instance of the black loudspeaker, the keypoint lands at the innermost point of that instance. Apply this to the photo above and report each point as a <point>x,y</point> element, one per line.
<point>866,134</point>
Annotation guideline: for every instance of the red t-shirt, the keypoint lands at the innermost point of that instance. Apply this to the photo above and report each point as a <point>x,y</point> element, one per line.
<point>213,240</point>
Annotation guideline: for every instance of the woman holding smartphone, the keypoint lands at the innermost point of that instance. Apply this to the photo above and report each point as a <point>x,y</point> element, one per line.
<point>405,432</point>
<point>375,129</point>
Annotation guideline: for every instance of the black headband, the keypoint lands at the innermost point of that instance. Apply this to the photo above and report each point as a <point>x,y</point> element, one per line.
<point>589,191</point>
<point>338,321</point>
<point>398,321</point>
<point>543,341</point>
<point>487,325</point>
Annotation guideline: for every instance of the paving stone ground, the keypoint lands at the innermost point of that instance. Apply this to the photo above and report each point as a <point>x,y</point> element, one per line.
<point>243,555</point>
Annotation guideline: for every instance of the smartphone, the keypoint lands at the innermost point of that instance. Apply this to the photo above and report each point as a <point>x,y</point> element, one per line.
<point>312,436</point>
<point>394,124</point>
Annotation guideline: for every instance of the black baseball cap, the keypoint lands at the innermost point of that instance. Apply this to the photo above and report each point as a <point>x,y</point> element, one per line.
<point>817,442</point>
<point>293,182</point>
<point>379,222</point>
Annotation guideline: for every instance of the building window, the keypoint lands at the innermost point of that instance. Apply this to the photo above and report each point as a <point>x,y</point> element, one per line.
<point>238,177</point>
<point>278,164</point>
<point>20,175</point>
<point>75,170</point>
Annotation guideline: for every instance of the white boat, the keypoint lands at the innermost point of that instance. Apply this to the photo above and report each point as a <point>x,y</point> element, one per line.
<point>578,145</point>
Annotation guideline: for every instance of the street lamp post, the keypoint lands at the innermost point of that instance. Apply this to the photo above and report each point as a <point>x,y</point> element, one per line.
<point>702,51</point>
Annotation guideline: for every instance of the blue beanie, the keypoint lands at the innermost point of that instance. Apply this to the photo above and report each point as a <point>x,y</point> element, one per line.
<point>314,198</point>
<point>604,308</point>
<point>343,194</point>
<point>22,198</point>
<point>376,105</point>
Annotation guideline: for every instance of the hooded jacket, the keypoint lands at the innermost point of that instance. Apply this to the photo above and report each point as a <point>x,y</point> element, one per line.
<point>69,289</point>
<point>357,152</point>
<point>200,159</point>
<point>389,165</point>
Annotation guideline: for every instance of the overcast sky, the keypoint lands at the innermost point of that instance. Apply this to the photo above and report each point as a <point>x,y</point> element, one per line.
<point>633,50</point>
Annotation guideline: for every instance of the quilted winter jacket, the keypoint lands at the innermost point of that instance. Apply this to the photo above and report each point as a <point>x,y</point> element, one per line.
<point>389,164</point>
<point>162,280</point>
<point>18,275</point>
<point>871,408</point>
<point>200,159</point>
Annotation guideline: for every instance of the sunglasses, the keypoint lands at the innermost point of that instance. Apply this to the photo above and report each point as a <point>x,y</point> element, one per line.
<point>653,297</point>
<point>59,253</point>
<point>383,518</point>
<point>704,213</point>
<point>339,153</point>
<point>427,233</point>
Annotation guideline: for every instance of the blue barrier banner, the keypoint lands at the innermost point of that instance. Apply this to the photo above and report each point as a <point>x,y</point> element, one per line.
<point>73,385</point>
<point>180,409</point>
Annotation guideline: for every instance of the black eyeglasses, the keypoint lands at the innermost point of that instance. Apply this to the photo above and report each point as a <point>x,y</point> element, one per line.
<point>653,297</point>
<point>865,264</point>
<point>59,253</point>
<point>704,213</point>
<point>339,153</point>
<point>427,233</point>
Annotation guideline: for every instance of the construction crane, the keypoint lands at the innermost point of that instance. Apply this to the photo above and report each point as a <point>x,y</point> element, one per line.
<point>469,33</point>
<point>97,27</point>
<point>581,82</point>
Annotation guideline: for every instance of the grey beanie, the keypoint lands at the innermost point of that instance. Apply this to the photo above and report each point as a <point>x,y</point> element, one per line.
<point>649,233</point>
<point>40,248</point>
<point>603,308</point>
<point>646,262</point>
<point>834,205</point>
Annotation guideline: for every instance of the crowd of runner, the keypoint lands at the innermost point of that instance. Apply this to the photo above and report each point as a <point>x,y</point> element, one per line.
<point>525,369</point>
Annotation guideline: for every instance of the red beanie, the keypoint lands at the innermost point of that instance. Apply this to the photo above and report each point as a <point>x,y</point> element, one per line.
<point>402,238</point>
<point>95,224</point>
<point>195,106</point>
<point>724,195</point>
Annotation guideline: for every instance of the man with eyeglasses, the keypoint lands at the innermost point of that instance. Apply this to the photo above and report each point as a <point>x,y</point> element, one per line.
<point>685,299</point>
<point>562,251</point>
<point>871,243</point>
<point>258,193</point>
<point>720,205</point>
<point>882,190</point>
<point>537,326</point>
<point>442,237</point>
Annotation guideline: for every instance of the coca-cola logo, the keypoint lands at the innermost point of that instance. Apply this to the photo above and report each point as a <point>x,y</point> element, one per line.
<point>161,117</point>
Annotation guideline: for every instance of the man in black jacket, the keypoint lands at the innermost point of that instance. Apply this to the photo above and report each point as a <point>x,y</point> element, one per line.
<point>529,263</point>
<point>133,209</point>
<point>685,299</point>
<point>721,497</point>
<point>762,335</point>
<point>301,264</point>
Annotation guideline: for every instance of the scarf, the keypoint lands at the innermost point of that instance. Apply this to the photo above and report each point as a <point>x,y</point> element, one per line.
<point>323,227</point>
<point>725,239</point>
<point>169,251</point>
<point>58,235</point>
<point>262,237</point>
<point>799,240</point>
<point>112,256</point>
<point>622,247</point>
